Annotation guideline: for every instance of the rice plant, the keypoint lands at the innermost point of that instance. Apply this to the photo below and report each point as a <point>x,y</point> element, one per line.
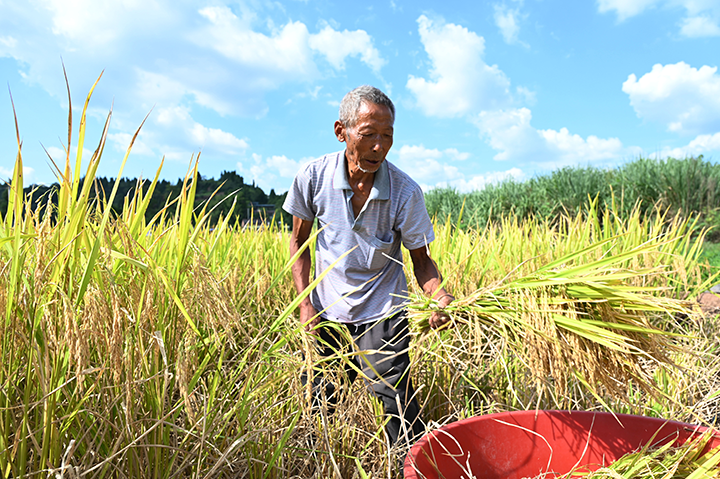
<point>692,459</point>
<point>166,346</point>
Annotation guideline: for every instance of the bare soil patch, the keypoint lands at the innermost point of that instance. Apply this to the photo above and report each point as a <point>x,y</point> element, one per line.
<point>709,303</point>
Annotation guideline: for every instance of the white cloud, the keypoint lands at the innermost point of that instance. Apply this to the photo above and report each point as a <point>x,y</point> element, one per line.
<point>465,184</point>
<point>122,141</point>
<point>702,16</point>
<point>153,88</point>
<point>510,132</point>
<point>273,172</point>
<point>479,182</point>
<point>506,19</point>
<point>180,126</point>
<point>685,99</point>
<point>101,32</point>
<point>6,174</point>
<point>527,95</point>
<point>625,8</point>
<point>216,138</point>
<point>700,26</point>
<point>463,85</point>
<point>310,93</point>
<point>456,155</point>
<point>172,116</point>
<point>82,20</point>
<point>284,166</point>
<point>460,81</point>
<point>58,154</point>
<point>432,167</point>
<point>415,152</point>
<point>7,43</point>
<point>425,165</point>
<point>285,52</point>
<point>336,46</point>
<point>572,148</point>
<point>172,132</point>
<point>701,145</point>
<point>410,153</point>
<point>28,175</point>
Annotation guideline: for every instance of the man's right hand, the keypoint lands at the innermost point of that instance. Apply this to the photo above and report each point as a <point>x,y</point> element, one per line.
<point>308,317</point>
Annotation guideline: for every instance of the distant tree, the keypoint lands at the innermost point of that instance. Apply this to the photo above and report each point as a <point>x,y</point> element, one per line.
<point>230,187</point>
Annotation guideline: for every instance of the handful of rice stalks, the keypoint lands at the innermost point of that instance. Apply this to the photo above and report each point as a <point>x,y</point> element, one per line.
<point>588,321</point>
<point>667,462</point>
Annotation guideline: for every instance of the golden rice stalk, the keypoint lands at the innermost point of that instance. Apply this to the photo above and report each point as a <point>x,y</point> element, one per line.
<point>590,322</point>
<point>668,461</point>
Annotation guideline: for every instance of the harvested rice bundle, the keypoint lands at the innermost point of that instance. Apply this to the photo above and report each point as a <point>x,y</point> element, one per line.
<point>686,461</point>
<point>589,321</point>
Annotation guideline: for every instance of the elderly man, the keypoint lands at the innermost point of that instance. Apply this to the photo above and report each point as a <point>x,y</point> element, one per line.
<point>366,206</point>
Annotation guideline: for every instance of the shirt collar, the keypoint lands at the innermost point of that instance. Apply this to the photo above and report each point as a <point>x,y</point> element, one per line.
<point>381,184</point>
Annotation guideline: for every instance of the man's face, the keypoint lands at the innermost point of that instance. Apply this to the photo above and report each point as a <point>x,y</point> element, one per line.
<point>369,140</point>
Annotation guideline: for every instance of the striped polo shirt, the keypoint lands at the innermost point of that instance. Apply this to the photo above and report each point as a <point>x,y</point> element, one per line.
<point>368,284</point>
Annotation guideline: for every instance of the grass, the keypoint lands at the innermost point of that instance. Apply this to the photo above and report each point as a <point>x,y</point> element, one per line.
<point>690,186</point>
<point>167,348</point>
<point>710,258</point>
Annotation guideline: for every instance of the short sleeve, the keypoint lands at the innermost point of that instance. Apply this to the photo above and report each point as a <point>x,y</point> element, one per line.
<point>416,229</point>
<point>299,200</point>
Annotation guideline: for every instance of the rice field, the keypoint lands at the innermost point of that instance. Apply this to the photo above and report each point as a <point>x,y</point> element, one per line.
<point>163,348</point>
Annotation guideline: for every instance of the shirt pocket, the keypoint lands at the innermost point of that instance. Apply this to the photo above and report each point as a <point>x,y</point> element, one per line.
<point>380,252</point>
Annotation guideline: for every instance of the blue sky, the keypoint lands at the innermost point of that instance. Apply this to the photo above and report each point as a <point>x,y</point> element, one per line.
<point>483,90</point>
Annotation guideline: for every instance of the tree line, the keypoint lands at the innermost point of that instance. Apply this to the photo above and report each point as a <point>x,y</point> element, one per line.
<point>249,199</point>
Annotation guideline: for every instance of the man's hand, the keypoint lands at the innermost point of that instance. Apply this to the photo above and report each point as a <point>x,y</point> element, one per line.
<point>309,318</point>
<point>438,319</point>
<point>430,280</point>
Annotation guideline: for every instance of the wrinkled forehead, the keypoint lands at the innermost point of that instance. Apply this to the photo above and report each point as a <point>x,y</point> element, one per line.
<point>374,112</point>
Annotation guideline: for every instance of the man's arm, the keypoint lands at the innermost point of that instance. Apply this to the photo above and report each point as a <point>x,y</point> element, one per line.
<point>301,271</point>
<point>429,278</point>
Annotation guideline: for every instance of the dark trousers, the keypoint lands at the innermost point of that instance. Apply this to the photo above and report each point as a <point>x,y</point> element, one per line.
<point>385,366</point>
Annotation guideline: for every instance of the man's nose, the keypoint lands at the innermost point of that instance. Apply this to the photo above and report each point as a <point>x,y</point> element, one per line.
<point>379,143</point>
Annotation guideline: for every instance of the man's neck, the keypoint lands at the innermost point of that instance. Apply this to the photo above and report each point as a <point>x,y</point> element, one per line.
<point>358,178</point>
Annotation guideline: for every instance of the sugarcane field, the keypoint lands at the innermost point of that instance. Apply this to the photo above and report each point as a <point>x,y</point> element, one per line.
<point>584,340</point>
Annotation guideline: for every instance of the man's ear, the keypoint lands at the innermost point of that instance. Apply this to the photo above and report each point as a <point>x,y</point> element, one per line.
<point>340,131</point>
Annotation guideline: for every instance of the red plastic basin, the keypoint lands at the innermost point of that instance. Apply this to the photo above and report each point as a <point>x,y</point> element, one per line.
<point>525,444</point>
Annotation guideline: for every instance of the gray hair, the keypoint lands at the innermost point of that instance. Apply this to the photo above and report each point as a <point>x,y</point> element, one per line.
<point>350,104</point>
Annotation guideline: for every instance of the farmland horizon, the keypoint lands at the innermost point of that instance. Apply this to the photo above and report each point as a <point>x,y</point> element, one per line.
<point>278,191</point>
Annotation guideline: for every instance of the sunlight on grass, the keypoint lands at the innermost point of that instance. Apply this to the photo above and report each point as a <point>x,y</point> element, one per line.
<point>166,346</point>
